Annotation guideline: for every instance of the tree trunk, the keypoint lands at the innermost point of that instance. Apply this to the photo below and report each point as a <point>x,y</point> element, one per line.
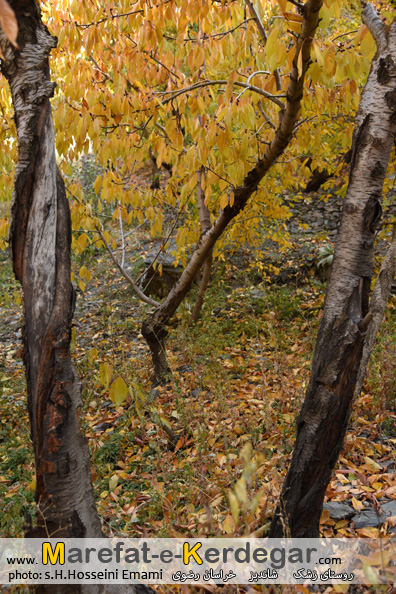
<point>323,420</point>
<point>40,240</point>
<point>204,218</point>
<point>154,327</point>
<point>202,290</point>
<point>378,302</point>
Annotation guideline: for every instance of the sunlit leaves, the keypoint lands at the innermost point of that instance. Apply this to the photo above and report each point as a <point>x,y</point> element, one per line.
<point>122,71</point>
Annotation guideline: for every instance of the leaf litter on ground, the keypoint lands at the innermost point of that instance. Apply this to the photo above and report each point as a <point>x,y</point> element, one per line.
<point>238,382</point>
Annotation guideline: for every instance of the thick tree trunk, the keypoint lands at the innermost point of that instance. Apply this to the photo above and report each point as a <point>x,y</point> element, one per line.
<point>325,413</point>
<point>154,327</point>
<point>40,239</point>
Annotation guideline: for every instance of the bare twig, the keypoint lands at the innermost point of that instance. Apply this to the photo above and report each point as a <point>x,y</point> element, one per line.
<point>109,18</point>
<point>265,116</point>
<point>125,274</point>
<point>237,83</point>
<point>257,20</point>
<point>264,36</point>
<point>122,237</point>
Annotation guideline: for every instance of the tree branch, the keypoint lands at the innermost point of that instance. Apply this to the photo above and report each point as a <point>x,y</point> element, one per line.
<point>207,83</point>
<point>376,27</point>
<point>257,20</point>
<point>378,302</point>
<point>124,273</point>
<point>264,36</point>
<point>204,218</point>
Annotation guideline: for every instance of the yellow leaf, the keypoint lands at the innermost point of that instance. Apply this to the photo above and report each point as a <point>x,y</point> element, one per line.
<point>299,63</point>
<point>372,463</point>
<point>32,484</point>
<point>272,41</point>
<point>229,524</point>
<point>371,574</point>
<point>234,505</point>
<point>294,26</point>
<point>98,184</point>
<point>83,241</point>
<point>325,517</point>
<point>282,5</point>
<point>293,16</point>
<point>113,482</point>
<point>105,373</point>
<point>317,52</point>
<point>83,271</point>
<point>379,558</point>
<point>8,22</point>
<point>368,532</point>
<point>357,505</point>
<point>93,355</point>
<point>17,298</point>
<point>367,45</point>
<point>250,115</point>
<point>118,391</point>
<point>340,587</point>
<point>240,490</point>
<point>223,201</point>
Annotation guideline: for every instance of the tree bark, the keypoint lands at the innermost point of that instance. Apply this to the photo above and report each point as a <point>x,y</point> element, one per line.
<point>378,302</point>
<point>40,240</point>
<point>154,326</point>
<point>204,219</point>
<point>323,420</point>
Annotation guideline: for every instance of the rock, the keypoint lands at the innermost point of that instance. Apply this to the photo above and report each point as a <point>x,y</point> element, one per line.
<point>256,294</point>
<point>103,426</point>
<point>239,259</point>
<point>184,369</point>
<point>371,518</point>
<point>154,282</point>
<point>339,510</point>
<point>387,464</point>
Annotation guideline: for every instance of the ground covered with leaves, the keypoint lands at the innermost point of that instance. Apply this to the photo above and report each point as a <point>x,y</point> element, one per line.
<point>205,455</point>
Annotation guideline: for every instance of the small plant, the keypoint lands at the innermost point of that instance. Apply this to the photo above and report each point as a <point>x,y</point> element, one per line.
<point>325,256</point>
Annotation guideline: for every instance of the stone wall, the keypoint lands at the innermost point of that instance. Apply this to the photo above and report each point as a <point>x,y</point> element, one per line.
<point>319,213</point>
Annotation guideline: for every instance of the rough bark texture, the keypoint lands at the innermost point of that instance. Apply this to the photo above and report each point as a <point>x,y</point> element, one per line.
<point>204,219</point>
<point>40,239</point>
<point>378,302</point>
<point>325,413</point>
<point>154,327</point>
